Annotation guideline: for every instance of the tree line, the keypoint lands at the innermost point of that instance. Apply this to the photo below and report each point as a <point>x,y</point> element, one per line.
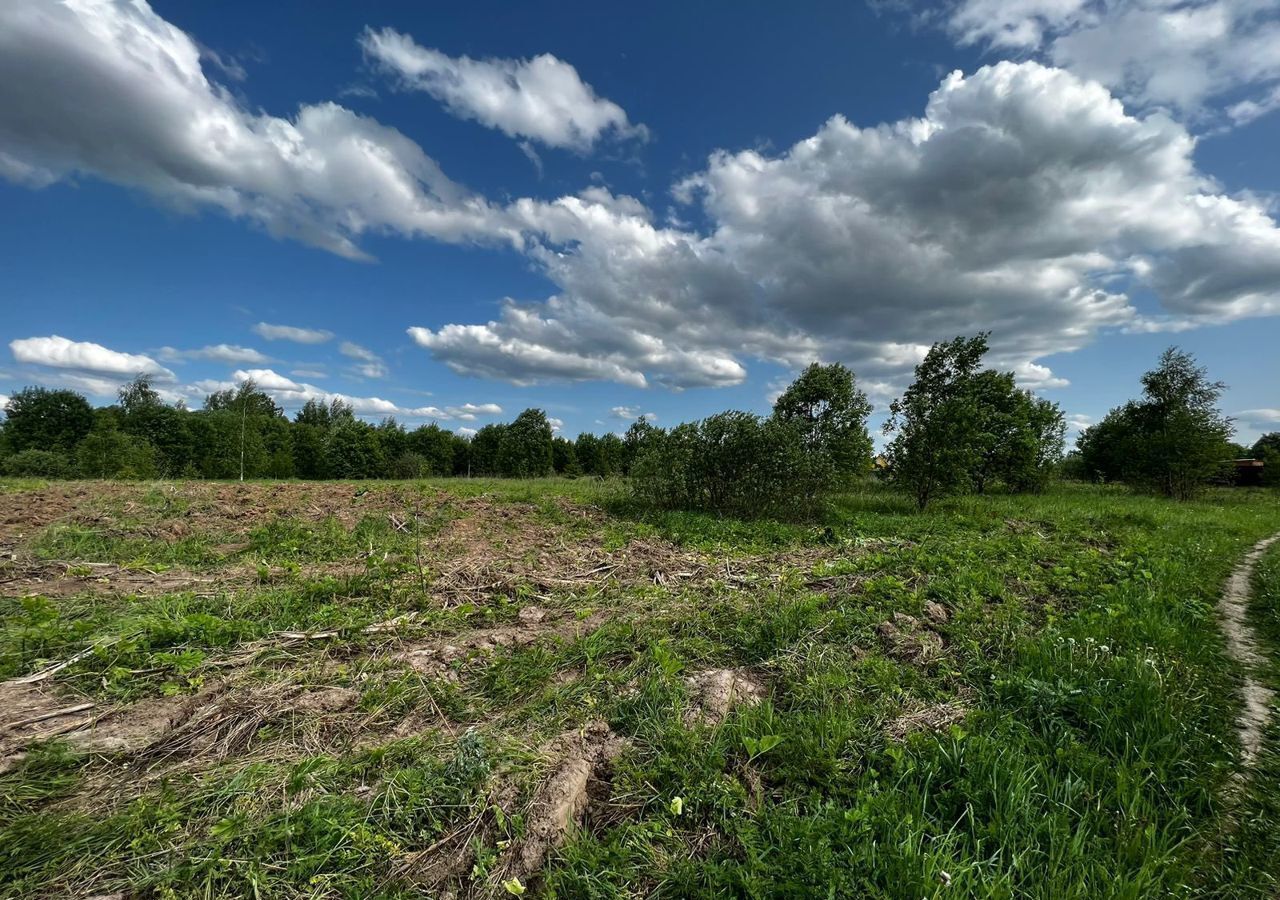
<point>959,427</point>
<point>244,433</point>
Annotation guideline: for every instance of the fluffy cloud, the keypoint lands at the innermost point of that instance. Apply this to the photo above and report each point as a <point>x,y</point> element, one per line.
<point>92,361</point>
<point>1181,55</point>
<point>292,333</point>
<point>1259,418</point>
<point>541,99</point>
<point>631,413</point>
<point>292,394</point>
<point>4,401</point>
<point>1025,201</point>
<point>368,363</point>
<point>226,353</point>
<point>469,412</point>
<point>108,87</point>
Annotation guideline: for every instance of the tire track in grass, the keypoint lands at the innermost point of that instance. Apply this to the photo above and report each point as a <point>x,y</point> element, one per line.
<point>1243,647</point>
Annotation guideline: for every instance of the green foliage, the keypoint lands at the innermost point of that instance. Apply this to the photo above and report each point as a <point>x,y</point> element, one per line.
<point>937,423</point>
<point>563,458</point>
<point>1173,441</point>
<point>957,428</point>
<point>1020,436</point>
<point>107,453</point>
<point>437,448</point>
<point>485,449</point>
<point>525,448</point>
<point>734,463</point>
<point>1267,449</point>
<point>38,464</point>
<point>41,419</point>
<point>245,400</point>
<point>829,410</point>
<point>352,450</point>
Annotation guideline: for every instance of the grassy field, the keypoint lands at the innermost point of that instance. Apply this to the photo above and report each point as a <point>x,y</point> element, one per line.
<point>478,688</point>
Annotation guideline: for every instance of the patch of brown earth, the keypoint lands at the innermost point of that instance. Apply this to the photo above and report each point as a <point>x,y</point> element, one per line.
<point>58,580</point>
<point>906,640</point>
<point>579,757</point>
<point>715,693</point>
<point>443,656</point>
<point>229,727</point>
<point>32,713</point>
<point>938,717</point>
<point>216,722</point>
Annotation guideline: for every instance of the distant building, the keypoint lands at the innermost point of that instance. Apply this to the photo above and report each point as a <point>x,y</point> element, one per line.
<point>1249,472</point>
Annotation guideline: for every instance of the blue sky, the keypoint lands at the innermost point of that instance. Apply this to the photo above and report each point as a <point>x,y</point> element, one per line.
<point>606,211</point>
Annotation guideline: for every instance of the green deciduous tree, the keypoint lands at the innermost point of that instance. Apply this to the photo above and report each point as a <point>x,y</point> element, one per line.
<point>935,423</point>
<point>563,458</point>
<point>829,410</point>
<point>1020,436</point>
<point>484,450</point>
<point>1173,441</point>
<point>109,453</point>
<point>41,419</point>
<point>1267,449</point>
<point>353,450</point>
<point>525,448</point>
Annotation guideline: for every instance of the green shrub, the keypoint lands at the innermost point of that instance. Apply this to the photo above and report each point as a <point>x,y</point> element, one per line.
<point>39,464</point>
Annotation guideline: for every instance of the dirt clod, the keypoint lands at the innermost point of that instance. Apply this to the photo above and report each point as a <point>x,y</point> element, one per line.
<point>928,718</point>
<point>561,801</point>
<point>714,694</point>
<point>907,641</point>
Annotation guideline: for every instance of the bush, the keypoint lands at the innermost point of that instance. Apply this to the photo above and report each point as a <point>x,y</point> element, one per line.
<point>114,454</point>
<point>38,464</point>
<point>734,463</point>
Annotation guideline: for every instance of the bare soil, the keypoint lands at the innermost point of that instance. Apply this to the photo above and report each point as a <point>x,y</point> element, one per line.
<point>1242,645</point>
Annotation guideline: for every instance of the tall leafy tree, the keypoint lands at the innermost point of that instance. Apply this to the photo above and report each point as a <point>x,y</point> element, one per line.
<point>41,419</point>
<point>1267,449</point>
<point>935,424</point>
<point>436,447</point>
<point>563,458</point>
<point>353,450</point>
<point>587,449</point>
<point>1020,436</point>
<point>1172,441</point>
<point>484,450</point>
<point>829,410</point>
<point>256,413</point>
<point>525,450</point>
<point>1183,434</point>
<point>146,417</point>
<point>641,432</point>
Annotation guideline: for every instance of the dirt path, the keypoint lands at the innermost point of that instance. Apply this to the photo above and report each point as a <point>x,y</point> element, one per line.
<point>1242,646</point>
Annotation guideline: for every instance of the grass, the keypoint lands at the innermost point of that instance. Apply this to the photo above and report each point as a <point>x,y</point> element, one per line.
<point>1081,645</point>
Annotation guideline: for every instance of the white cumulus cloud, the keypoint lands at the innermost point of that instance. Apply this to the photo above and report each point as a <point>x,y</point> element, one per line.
<point>87,358</point>
<point>1025,201</point>
<point>292,333</point>
<point>368,363</point>
<point>1181,55</point>
<point>292,394</point>
<point>542,98</point>
<point>226,353</point>
<point>630,413</point>
<point>111,89</point>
